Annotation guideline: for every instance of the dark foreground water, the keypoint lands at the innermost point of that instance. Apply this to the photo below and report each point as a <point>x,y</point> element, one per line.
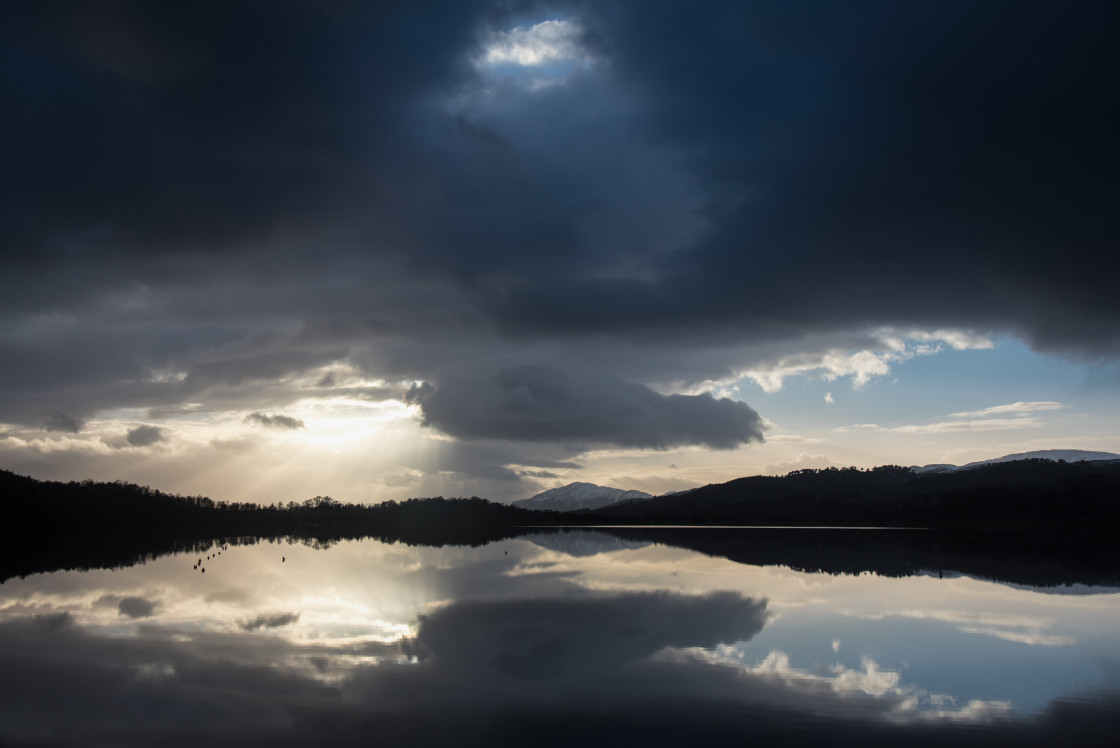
<point>575,638</point>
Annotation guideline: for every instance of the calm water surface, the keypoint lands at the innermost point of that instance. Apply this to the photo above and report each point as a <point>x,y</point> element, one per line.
<point>573,638</point>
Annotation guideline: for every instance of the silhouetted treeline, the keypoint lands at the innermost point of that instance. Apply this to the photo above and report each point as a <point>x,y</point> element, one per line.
<point>49,525</point>
<point>1026,494</point>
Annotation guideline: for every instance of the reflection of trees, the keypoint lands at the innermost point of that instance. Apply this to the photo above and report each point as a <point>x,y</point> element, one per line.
<point>1028,558</point>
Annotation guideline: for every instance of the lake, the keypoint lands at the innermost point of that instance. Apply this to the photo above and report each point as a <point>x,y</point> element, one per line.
<point>554,638</point>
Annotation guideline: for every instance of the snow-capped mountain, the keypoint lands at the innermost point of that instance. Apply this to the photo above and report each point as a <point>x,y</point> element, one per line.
<point>1069,455</point>
<point>579,496</point>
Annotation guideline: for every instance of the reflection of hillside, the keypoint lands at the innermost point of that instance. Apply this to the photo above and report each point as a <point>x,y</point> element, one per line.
<point>1032,559</point>
<point>1069,510</point>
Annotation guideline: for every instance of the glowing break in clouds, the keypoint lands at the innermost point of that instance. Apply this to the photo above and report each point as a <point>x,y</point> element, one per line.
<point>545,43</point>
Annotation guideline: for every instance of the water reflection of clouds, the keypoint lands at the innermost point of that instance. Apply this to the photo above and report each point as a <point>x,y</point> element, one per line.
<point>542,639</point>
<point>1018,628</point>
<point>898,701</point>
<point>485,645</point>
<point>600,668</point>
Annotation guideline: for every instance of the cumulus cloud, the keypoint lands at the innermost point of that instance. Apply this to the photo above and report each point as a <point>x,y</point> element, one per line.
<point>277,421</point>
<point>549,404</point>
<point>144,436</point>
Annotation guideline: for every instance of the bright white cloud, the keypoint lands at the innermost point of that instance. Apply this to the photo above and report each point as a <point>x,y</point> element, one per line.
<point>864,365</point>
<point>545,43</point>
<point>861,366</point>
<point>1019,407</point>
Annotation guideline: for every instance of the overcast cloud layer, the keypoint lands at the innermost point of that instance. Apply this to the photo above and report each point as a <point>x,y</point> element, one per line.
<point>215,206</point>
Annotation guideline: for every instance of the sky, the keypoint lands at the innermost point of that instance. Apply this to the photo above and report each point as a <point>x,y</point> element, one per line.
<point>269,250</point>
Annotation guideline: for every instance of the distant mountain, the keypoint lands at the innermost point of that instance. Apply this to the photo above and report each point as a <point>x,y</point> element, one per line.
<point>576,496</point>
<point>1068,455</point>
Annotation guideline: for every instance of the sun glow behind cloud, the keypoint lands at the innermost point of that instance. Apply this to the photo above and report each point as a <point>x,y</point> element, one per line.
<point>546,43</point>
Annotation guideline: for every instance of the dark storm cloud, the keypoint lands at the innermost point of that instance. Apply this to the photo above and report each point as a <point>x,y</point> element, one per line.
<point>201,203</point>
<point>543,403</point>
<point>875,161</point>
<point>275,421</point>
<point>143,436</point>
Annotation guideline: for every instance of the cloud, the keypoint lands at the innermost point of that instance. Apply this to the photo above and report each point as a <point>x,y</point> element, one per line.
<point>548,404</point>
<point>861,366</point>
<point>547,42</point>
<point>791,439</point>
<point>62,422</point>
<point>130,606</point>
<point>1020,629</point>
<point>544,474</point>
<point>1019,407</point>
<point>275,421</point>
<point>715,204</point>
<point>947,427</point>
<point>979,420</point>
<point>136,607</point>
<point>144,436</point>
<point>270,621</point>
